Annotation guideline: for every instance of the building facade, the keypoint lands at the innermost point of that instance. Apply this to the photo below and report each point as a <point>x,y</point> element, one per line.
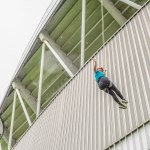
<point>82,117</point>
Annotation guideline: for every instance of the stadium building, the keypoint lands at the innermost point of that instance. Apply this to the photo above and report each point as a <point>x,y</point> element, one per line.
<point>53,101</point>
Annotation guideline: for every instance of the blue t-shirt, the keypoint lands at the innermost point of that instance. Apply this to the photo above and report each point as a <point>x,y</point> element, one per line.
<point>98,74</point>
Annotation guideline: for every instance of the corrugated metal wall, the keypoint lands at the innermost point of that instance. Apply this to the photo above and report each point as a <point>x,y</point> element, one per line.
<point>136,140</point>
<point>84,118</point>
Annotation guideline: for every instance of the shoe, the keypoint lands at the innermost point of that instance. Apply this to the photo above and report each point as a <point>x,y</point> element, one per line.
<point>124,101</point>
<point>123,107</point>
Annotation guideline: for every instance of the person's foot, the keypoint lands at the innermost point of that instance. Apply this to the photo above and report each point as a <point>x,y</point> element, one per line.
<point>124,101</point>
<point>123,107</point>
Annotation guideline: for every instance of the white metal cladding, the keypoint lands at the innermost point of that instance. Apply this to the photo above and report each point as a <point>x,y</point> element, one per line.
<point>138,140</point>
<point>84,118</point>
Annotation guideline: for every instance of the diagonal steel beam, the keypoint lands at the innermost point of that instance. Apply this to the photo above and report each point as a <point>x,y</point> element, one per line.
<point>23,107</point>
<point>116,14</point>
<point>132,4</point>
<point>40,80</point>
<point>63,59</point>
<point>31,101</point>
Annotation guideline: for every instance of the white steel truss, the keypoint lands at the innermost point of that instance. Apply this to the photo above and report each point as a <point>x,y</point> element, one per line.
<point>23,107</point>
<point>83,32</point>
<point>58,53</point>
<point>116,14</point>
<point>30,100</point>
<point>40,81</point>
<point>132,4</point>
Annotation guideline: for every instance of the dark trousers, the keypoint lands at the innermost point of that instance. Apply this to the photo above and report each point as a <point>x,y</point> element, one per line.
<point>106,85</point>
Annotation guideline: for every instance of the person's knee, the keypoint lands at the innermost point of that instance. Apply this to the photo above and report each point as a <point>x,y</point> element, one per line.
<point>110,84</point>
<point>106,90</point>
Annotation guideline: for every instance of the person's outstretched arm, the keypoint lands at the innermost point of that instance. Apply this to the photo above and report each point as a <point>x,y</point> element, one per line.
<point>95,65</point>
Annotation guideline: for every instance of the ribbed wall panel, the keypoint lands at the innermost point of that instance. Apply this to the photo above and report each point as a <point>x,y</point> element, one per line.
<point>84,118</point>
<point>136,140</point>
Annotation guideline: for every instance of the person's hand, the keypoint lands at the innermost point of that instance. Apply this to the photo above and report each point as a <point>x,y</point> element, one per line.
<point>94,60</point>
<point>105,72</point>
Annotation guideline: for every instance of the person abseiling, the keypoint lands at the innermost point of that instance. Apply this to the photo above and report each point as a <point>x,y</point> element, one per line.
<point>106,85</point>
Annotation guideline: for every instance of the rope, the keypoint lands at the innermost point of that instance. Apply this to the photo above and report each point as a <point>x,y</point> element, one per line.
<point>103,36</point>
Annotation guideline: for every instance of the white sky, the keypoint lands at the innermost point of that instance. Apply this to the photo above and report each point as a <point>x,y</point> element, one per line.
<point>18,21</point>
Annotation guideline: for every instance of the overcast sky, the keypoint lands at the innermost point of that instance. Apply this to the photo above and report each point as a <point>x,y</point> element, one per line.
<point>18,21</point>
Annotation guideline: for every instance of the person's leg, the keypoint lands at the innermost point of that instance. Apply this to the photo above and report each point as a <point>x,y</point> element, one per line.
<point>114,88</point>
<point>110,91</point>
